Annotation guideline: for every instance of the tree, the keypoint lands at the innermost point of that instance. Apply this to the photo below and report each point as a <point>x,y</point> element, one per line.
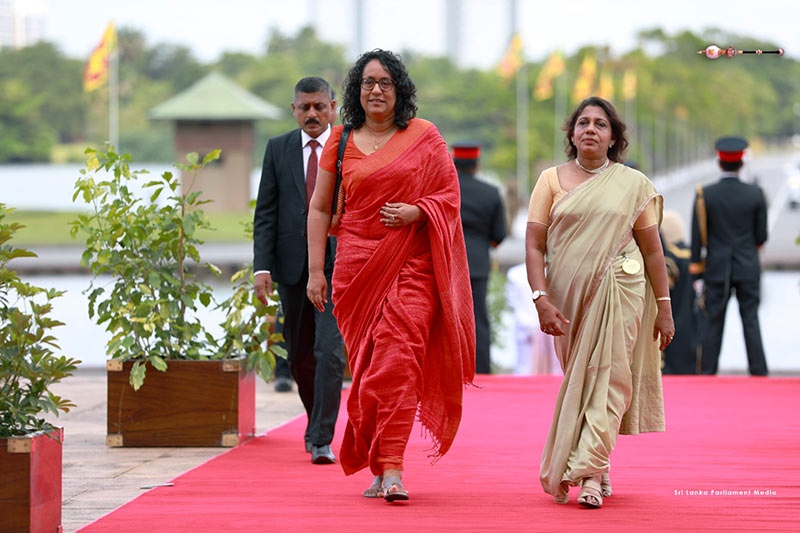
<point>42,102</point>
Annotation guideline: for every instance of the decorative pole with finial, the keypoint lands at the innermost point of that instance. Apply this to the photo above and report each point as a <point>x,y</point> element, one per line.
<point>713,51</point>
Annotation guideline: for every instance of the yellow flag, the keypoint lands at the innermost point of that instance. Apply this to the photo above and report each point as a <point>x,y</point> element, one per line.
<point>629,85</point>
<point>606,89</point>
<point>95,74</point>
<point>512,59</point>
<point>551,70</point>
<point>584,84</point>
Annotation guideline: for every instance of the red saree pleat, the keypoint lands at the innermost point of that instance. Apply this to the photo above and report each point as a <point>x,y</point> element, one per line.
<point>400,300</point>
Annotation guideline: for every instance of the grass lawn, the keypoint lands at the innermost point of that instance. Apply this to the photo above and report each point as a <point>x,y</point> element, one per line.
<point>52,227</point>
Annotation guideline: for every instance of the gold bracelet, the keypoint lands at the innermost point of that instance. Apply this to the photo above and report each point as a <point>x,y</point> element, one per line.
<point>663,299</point>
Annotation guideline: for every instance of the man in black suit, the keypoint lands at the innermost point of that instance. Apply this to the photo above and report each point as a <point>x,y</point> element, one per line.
<point>730,223</point>
<point>313,341</point>
<point>484,222</point>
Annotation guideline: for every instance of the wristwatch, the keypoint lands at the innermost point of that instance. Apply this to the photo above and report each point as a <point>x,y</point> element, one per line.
<point>538,294</point>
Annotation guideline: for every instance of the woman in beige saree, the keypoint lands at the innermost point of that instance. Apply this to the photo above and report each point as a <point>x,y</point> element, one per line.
<point>599,281</point>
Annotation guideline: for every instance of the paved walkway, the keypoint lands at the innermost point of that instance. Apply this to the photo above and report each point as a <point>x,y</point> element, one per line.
<point>98,479</point>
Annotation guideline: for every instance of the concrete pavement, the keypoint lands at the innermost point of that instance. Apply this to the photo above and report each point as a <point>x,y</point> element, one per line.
<point>97,479</point>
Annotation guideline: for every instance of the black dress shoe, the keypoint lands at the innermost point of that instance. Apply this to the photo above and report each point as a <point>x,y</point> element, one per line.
<point>283,385</point>
<point>322,455</point>
<point>308,446</point>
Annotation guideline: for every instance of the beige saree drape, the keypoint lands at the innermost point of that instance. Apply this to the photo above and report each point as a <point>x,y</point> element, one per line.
<point>611,364</point>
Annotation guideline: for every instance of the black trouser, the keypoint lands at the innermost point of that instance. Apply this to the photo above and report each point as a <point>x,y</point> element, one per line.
<point>281,364</point>
<point>483,363</point>
<point>314,345</point>
<point>748,296</point>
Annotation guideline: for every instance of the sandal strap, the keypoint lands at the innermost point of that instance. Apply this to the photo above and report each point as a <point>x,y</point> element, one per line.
<point>605,485</point>
<point>591,492</point>
<point>591,482</point>
<point>390,481</point>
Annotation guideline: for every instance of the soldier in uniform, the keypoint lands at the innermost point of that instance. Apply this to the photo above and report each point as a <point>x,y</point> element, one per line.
<point>730,224</point>
<point>484,223</point>
<point>681,355</point>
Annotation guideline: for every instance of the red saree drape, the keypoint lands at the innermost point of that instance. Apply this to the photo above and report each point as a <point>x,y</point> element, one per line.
<point>402,297</point>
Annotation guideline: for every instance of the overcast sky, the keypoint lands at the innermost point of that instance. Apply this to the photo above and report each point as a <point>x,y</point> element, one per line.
<point>210,27</point>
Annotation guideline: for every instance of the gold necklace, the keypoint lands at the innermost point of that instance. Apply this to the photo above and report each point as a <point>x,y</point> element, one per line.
<point>377,145</point>
<point>597,170</point>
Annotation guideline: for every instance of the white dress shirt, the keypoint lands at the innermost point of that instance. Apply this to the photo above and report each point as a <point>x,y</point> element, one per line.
<point>304,138</point>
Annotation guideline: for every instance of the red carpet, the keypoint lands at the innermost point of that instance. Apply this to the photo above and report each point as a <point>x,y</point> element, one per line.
<point>724,434</point>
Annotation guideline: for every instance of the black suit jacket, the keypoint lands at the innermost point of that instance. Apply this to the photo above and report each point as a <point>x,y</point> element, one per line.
<point>737,225</point>
<point>483,219</point>
<point>279,223</point>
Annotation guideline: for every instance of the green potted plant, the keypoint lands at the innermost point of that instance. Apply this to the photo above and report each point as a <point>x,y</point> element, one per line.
<point>146,292</point>
<point>30,447</point>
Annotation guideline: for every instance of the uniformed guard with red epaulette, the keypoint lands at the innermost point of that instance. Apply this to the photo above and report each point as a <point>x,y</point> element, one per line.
<point>728,228</point>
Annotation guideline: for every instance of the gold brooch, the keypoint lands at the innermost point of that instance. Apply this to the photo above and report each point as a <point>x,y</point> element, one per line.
<point>630,266</point>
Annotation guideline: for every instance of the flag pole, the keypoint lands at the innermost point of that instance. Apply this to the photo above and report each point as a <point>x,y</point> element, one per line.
<point>631,117</point>
<point>559,111</point>
<point>523,158</point>
<point>113,99</point>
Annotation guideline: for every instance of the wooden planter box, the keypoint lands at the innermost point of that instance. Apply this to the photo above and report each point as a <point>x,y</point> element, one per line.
<point>30,482</point>
<point>193,403</point>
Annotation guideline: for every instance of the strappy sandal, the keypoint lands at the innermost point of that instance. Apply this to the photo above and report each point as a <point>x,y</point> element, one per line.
<point>374,490</point>
<point>605,485</point>
<point>398,494</point>
<point>591,495</point>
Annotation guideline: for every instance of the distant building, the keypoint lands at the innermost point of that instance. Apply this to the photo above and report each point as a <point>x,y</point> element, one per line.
<point>216,113</point>
<point>22,23</point>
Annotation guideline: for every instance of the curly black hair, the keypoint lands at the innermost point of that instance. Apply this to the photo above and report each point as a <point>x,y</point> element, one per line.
<point>406,106</point>
<point>616,152</point>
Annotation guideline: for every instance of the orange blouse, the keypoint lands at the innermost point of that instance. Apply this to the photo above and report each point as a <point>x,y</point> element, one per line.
<point>547,192</point>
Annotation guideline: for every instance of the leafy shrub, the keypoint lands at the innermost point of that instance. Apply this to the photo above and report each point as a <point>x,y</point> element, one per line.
<point>147,247</point>
<point>28,365</point>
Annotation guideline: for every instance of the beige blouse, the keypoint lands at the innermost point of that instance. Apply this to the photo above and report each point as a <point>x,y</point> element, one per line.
<point>548,192</point>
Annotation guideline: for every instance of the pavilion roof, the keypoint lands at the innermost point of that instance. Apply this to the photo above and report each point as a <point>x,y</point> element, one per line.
<point>215,97</point>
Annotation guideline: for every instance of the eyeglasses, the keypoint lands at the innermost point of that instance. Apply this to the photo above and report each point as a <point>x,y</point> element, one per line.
<point>385,84</point>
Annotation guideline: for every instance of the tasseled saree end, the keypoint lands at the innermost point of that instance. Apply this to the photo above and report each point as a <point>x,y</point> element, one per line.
<point>452,337</point>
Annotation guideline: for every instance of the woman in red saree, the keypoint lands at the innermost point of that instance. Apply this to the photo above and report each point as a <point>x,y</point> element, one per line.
<point>400,273</point>
<point>604,297</point>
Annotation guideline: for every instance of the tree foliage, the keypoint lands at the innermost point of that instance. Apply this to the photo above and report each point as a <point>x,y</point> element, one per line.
<point>682,96</point>
<point>41,102</point>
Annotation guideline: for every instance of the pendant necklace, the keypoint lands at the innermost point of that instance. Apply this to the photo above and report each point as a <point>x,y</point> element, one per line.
<point>597,170</point>
<point>377,145</point>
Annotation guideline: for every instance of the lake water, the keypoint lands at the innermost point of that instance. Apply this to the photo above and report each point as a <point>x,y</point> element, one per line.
<point>83,339</point>
<point>50,187</point>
